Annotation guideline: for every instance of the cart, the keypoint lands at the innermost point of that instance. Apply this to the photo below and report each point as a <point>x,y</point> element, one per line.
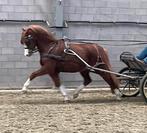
<point>130,87</point>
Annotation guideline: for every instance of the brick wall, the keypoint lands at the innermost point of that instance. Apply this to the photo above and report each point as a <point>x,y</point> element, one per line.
<point>15,68</point>
<point>108,10</point>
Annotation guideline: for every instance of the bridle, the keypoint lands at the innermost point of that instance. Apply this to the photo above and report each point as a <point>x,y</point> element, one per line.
<point>31,48</point>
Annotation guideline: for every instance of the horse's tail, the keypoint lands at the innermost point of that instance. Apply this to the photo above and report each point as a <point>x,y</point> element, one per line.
<point>103,55</point>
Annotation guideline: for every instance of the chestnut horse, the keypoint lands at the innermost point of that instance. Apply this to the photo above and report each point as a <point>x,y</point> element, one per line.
<point>54,60</point>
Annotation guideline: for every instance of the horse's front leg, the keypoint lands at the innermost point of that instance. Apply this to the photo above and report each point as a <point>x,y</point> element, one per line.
<point>42,71</point>
<point>26,85</point>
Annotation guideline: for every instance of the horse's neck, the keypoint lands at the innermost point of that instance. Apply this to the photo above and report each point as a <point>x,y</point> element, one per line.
<point>44,47</point>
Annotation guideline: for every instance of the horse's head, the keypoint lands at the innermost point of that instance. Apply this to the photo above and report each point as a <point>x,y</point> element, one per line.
<point>36,37</point>
<point>29,41</point>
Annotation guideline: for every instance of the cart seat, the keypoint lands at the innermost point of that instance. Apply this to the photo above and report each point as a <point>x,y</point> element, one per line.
<point>132,62</point>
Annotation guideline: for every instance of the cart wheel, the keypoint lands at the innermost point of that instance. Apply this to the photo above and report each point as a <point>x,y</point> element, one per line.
<point>143,87</point>
<point>129,87</point>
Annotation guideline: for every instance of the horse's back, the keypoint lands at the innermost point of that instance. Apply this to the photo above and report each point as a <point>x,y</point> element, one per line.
<point>86,48</point>
<point>89,52</point>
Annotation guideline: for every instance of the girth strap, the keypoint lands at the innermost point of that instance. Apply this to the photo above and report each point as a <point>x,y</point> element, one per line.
<point>53,56</point>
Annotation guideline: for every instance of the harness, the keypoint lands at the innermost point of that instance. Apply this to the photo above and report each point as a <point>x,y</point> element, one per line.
<point>66,50</point>
<point>51,55</point>
<point>69,51</point>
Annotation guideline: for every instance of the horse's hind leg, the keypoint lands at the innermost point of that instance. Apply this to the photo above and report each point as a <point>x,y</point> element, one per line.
<point>87,80</point>
<point>111,80</point>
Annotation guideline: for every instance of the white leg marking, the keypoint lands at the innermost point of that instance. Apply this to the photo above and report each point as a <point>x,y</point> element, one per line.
<point>118,94</point>
<point>26,84</point>
<point>64,93</point>
<point>77,91</point>
<point>63,90</point>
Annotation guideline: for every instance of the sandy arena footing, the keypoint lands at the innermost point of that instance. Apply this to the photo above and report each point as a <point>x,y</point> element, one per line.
<point>96,111</point>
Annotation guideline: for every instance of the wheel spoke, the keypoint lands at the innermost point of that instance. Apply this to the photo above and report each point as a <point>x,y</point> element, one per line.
<point>144,87</point>
<point>129,87</point>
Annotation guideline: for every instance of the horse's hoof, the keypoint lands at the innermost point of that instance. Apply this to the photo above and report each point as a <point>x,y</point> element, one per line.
<point>118,98</point>
<point>24,91</point>
<point>75,96</point>
<point>67,99</point>
<point>118,94</point>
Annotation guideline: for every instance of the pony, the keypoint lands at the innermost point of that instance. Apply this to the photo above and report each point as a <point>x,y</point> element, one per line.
<point>54,59</point>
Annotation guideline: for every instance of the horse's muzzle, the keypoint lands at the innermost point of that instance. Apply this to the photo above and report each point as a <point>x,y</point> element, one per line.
<point>27,52</point>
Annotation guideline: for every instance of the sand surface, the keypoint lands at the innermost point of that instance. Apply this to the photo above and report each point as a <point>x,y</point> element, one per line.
<point>91,112</point>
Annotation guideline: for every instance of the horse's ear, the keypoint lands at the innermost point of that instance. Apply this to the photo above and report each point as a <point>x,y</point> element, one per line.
<point>23,29</point>
<point>29,30</point>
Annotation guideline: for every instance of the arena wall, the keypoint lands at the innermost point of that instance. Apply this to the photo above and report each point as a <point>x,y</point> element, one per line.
<point>15,68</point>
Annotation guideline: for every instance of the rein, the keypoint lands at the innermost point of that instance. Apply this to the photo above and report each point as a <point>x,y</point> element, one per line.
<point>51,55</point>
<point>34,51</point>
<point>51,48</point>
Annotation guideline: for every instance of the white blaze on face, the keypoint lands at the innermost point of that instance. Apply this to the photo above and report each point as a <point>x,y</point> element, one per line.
<point>26,51</point>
